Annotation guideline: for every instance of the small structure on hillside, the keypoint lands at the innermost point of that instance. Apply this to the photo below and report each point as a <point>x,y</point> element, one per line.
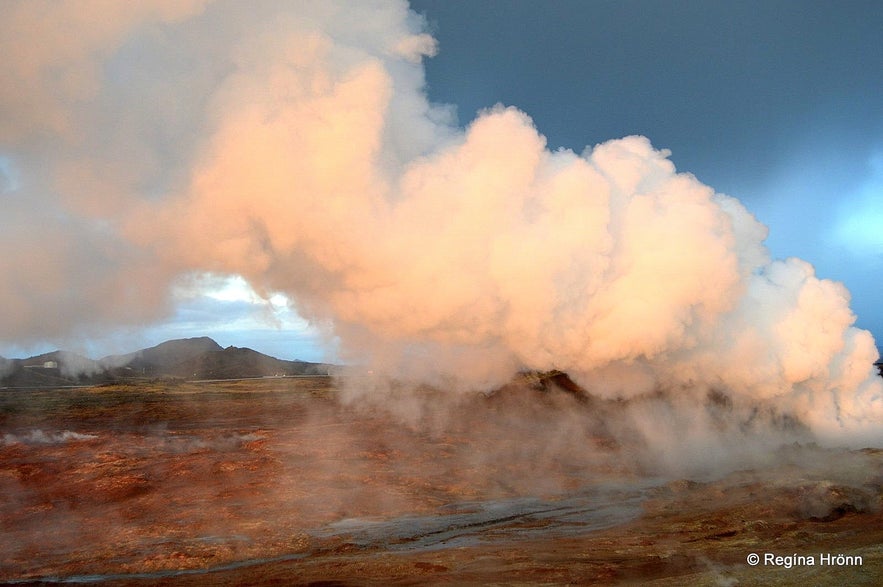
<point>43,365</point>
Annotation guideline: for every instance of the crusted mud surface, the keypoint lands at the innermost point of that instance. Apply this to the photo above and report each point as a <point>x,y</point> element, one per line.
<point>276,482</point>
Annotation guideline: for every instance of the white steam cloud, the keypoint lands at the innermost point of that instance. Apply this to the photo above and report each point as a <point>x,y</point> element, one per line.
<point>293,144</point>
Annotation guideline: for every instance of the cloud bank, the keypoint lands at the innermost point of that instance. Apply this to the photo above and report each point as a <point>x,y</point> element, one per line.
<point>293,144</point>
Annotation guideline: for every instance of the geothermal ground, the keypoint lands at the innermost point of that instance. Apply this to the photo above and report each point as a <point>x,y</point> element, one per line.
<point>279,481</point>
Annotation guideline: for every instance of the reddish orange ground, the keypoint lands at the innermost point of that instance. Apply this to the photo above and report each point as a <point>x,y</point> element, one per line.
<point>196,484</point>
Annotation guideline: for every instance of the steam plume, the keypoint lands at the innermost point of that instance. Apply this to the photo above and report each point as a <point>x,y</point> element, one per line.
<point>293,144</point>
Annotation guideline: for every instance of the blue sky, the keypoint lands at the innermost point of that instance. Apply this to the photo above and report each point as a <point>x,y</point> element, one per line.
<point>779,104</point>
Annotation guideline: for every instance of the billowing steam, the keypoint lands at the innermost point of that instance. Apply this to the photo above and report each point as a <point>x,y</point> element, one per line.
<point>293,144</point>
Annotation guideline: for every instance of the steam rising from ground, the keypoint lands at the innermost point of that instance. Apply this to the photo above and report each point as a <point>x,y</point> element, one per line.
<point>292,144</point>
<point>41,437</point>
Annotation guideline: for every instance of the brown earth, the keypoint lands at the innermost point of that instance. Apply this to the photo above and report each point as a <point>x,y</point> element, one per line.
<point>276,482</point>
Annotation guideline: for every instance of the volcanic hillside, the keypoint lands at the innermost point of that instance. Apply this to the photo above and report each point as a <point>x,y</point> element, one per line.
<point>190,358</point>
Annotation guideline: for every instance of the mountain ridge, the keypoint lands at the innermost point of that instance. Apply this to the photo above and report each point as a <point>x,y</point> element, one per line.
<point>184,358</point>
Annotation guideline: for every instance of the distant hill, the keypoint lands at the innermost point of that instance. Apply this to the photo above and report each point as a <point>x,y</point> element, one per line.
<point>162,358</point>
<point>15,374</point>
<point>50,370</point>
<point>68,364</point>
<point>190,359</point>
<point>233,363</point>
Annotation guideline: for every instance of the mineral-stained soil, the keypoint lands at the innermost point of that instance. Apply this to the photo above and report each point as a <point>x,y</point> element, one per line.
<point>278,482</point>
